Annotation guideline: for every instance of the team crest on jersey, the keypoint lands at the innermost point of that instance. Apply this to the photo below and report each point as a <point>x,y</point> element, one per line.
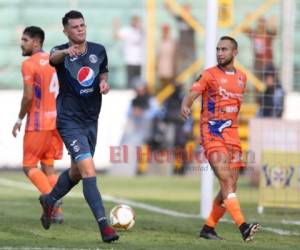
<point>93,58</point>
<point>85,76</point>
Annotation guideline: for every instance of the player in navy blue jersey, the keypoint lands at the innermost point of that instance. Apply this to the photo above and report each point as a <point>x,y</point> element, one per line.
<point>82,72</point>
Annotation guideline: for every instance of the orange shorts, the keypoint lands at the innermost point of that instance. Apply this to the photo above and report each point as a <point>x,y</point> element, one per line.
<point>41,146</point>
<point>233,152</point>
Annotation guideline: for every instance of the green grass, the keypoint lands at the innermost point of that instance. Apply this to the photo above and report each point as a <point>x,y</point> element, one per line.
<point>20,212</point>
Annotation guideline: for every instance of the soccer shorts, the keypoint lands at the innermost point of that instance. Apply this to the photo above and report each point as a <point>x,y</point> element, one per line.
<point>80,142</point>
<point>233,152</point>
<point>41,146</point>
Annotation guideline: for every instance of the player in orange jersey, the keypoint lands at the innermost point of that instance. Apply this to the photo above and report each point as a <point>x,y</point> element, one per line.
<point>42,142</point>
<point>222,89</point>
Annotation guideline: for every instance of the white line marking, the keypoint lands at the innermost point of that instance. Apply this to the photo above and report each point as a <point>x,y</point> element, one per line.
<point>151,208</point>
<point>289,222</point>
<point>280,231</point>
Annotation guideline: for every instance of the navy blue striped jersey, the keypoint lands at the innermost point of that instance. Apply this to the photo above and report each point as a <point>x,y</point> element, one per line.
<point>79,98</point>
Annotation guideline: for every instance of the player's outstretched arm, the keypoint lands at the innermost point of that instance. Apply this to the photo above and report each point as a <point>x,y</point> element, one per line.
<point>58,56</point>
<point>187,104</point>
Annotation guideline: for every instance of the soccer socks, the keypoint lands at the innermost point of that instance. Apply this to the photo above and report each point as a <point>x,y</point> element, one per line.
<point>52,179</point>
<point>215,215</point>
<point>93,198</point>
<point>40,180</point>
<point>232,205</point>
<point>63,185</point>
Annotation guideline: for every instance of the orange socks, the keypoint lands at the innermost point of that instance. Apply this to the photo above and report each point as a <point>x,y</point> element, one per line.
<point>215,215</point>
<point>232,205</point>
<point>52,179</point>
<point>40,180</point>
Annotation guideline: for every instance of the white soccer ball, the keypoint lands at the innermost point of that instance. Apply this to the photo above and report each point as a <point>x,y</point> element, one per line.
<point>122,216</point>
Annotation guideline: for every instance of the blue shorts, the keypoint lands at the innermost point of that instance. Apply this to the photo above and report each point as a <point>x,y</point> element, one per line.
<point>80,142</point>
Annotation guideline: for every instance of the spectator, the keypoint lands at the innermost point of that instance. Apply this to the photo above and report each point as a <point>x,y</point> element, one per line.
<point>133,47</point>
<point>142,110</point>
<point>186,49</point>
<point>262,38</point>
<point>273,98</point>
<point>176,130</point>
<point>166,58</point>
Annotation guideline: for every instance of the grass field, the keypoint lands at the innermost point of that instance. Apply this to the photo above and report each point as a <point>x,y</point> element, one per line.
<point>20,211</point>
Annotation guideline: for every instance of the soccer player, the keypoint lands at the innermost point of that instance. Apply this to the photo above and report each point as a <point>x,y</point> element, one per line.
<point>42,142</point>
<point>222,89</point>
<point>82,72</point>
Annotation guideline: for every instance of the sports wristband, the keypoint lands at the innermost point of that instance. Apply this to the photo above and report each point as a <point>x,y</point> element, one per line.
<point>19,121</point>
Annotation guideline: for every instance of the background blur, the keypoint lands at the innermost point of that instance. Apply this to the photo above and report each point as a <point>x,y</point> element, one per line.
<point>143,114</point>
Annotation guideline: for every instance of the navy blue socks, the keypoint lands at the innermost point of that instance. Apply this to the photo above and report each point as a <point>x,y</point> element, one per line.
<point>93,198</point>
<point>62,187</point>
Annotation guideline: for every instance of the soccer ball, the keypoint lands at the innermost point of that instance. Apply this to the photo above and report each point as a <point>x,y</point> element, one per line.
<point>122,216</point>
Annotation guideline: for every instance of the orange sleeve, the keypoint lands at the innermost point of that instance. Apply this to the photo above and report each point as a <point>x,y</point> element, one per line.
<point>245,81</point>
<point>201,84</point>
<point>27,73</point>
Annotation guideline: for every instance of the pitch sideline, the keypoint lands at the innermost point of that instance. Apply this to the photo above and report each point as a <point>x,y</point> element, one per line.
<point>151,208</point>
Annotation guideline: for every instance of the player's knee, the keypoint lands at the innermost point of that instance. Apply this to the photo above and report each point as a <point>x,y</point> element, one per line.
<point>86,168</point>
<point>227,182</point>
<point>217,158</point>
<point>88,173</point>
<point>27,169</point>
<point>48,170</point>
<point>74,175</point>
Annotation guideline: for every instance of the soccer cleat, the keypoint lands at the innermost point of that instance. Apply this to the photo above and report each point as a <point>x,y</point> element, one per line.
<point>248,231</point>
<point>47,212</point>
<point>209,233</point>
<point>108,234</point>
<point>57,215</point>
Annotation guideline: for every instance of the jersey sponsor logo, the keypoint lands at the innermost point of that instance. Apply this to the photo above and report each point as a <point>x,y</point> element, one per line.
<point>85,76</point>
<point>230,109</point>
<point>228,95</point>
<point>216,127</point>
<point>93,58</point>
<point>86,91</point>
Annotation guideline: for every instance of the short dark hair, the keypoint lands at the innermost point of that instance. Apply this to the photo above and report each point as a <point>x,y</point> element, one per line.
<point>231,39</point>
<point>73,14</point>
<point>35,32</point>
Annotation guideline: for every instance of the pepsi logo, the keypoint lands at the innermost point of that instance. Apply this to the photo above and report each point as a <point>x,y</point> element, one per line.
<point>85,76</point>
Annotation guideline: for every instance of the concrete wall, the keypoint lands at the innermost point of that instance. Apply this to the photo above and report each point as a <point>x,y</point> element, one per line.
<point>111,125</point>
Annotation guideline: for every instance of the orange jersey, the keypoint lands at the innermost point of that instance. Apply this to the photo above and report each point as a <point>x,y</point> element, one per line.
<point>222,94</point>
<point>37,72</point>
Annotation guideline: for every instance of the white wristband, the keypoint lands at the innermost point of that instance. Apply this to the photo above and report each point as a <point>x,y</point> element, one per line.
<point>19,121</point>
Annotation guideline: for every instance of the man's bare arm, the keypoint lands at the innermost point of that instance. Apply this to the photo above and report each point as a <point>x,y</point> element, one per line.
<point>25,106</point>
<point>58,56</point>
<point>104,86</point>
<point>187,104</point>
